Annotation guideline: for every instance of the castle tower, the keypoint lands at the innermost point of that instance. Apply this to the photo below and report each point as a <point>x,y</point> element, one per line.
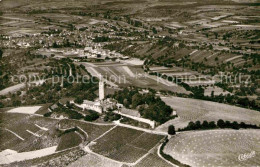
<point>101,90</point>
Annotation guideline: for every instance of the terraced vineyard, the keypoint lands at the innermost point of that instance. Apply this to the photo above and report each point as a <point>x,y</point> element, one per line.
<point>215,147</point>
<point>200,110</point>
<point>125,145</point>
<point>23,132</point>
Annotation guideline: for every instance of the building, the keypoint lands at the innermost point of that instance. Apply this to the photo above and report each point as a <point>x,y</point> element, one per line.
<point>101,90</point>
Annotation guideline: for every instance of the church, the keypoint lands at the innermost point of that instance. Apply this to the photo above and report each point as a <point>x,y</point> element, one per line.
<point>101,104</point>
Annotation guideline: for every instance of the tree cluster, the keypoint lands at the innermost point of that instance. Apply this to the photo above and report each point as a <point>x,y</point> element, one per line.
<point>220,125</point>
<point>149,105</point>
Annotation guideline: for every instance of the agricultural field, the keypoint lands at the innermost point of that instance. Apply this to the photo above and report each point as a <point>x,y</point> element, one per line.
<point>69,140</point>
<point>121,74</point>
<point>94,161</point>
<point>190,77</point>
<point>93,130</point>
<point>128,147</point>
<point>217,91</point>
<point>44,109</point>
<point>215,147</point>
<point>22,132</point>
<point>58,159</point>
<point>200,110</point>
<point>152,160</point>
<point>12,89</point>
<point>9,156</point>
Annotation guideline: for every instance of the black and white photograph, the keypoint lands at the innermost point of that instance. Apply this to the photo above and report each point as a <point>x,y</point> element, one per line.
<point>130,83</point>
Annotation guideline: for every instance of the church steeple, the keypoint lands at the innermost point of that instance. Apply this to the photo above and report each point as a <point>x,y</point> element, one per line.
<point>101,90</point>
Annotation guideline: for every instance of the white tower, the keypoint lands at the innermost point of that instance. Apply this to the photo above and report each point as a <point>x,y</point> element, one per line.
<point>101,90</point>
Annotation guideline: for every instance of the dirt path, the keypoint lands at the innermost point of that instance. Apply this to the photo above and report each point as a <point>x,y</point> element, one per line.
<point>7,157</point>
<point>158,153</point>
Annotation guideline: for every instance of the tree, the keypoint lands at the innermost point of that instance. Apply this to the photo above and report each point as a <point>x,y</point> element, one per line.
<point>191,126</point>
<point>212,94</point>
<point>79,100</point>
<point>198,125</point>
<point>210,47</point>
<point>216,35</point>
<point>171,130</point>
<point>228,124</point>
<point>68,104</point>
<point>212,124</point>
<point>182,45</point>
<point>1,53</point>
<point>126,103</point>
<point>242,125</point>
<point>92,116</point>
<point>154,30</point>
<point>1,105</point>
<point>136,100</point>
<point>221,123</point>
<point>205,125</point>
<point>235,125</point>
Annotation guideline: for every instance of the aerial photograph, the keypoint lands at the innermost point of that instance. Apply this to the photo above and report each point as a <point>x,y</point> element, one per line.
<point>130,83</point>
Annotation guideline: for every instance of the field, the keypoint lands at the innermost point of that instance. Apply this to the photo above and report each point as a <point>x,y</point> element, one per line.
<point>9,156</point>
<point>199,110</point>
<point>44,109</point>
<point>152,160</point>
<point>25,133</point>
<point>69,140</point>
<point>189,77</point>
<point>121,74</point>
<point>94,131</point>
<point>58,159</point>
<point>25,110</point>
<point>94,161</point>
<point>217,91</point>
<point>12,89</point>
<point>21,132</point>
<point>128,147</point>
<point>215,147</point>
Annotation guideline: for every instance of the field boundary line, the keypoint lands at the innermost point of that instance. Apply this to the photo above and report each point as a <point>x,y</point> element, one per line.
<point>15,134</point>
<point>145,155</point>
<point>88,150</point>
<point>104,133</point>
